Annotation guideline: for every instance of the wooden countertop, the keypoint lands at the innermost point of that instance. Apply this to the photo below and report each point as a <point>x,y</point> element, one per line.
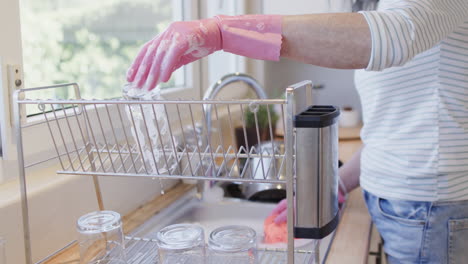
<point>352,237</point>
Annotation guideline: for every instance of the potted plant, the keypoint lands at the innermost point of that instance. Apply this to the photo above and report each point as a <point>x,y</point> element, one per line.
<point>262,115</point>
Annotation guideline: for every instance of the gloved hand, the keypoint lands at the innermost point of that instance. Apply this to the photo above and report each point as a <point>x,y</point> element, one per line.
<point>281,210</point>
<point>254,36</point>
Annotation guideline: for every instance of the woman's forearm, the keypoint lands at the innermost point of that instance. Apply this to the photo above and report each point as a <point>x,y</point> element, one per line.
<point>350,172</point>
<point>340,40</point>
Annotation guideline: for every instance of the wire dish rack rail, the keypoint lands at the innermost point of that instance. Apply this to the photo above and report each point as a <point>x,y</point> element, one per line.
<point>168,139</point>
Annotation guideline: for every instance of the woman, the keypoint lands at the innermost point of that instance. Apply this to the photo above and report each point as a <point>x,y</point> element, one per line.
<point>413,167</point>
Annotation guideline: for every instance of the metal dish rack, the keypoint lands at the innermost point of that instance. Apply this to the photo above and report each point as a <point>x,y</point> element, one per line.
<point>154,139</point>
<point>135,246</point>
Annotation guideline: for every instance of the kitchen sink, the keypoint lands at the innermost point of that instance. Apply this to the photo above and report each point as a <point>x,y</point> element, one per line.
<point>210,215</point>
<point>230,211</point>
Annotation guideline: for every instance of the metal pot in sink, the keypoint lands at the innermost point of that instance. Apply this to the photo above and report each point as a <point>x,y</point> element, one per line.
<point>266,164</point>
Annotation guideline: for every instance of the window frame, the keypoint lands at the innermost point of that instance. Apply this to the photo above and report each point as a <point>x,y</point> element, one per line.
<point>10,54</point>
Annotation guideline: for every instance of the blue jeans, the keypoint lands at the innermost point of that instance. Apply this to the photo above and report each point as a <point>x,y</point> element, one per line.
<point>421,232</point>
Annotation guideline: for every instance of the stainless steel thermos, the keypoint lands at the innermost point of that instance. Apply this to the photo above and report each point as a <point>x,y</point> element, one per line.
<point>316,190</point>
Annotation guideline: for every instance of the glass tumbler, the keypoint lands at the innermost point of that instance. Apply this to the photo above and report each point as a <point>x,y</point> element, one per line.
<point>101,238</point>
<point>181,244</point>
<point>150,128</point>
<point>232,245</point>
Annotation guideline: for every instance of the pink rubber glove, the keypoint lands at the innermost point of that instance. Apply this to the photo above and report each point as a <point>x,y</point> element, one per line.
<point>281,210</point>
<point>254,36</point>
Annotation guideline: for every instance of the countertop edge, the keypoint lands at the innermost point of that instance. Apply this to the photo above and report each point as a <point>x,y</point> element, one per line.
<point>352,237</point>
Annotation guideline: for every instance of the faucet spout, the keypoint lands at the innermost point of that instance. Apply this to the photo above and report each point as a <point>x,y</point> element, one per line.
<point>216,87</point>
<point>223,82</point>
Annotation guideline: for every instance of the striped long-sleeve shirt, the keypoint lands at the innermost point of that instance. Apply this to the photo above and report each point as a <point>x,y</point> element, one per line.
<point>414,95</point>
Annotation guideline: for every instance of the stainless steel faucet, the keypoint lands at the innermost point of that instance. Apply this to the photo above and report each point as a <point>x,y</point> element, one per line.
<point>214,90</point>
<point>216,87</point>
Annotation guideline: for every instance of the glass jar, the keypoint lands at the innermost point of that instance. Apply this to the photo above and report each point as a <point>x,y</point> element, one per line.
<point>101,238</point>
<point>181,244</point>
<point>232,244</point>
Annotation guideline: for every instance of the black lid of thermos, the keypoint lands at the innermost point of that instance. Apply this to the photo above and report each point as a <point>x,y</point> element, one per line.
<point>317,116</point>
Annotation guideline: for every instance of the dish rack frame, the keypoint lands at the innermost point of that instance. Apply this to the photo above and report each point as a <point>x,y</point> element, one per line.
<point>77,125</point>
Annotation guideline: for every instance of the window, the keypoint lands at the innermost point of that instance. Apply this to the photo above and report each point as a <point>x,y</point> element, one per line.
<point>91,42</point>
<point>85,41</point>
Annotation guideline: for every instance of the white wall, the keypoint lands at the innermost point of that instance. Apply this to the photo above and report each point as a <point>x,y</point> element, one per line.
<point>275,76</point>
<point>295,7</point>
<point>10,54</point>
<point>338,88</point>
<point>339,84</point>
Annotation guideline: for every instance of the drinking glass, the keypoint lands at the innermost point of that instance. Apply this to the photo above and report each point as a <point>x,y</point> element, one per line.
<point>181,244</point>
<point>101,238</point>
<point>232,245</point>
<point>149,128</point>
